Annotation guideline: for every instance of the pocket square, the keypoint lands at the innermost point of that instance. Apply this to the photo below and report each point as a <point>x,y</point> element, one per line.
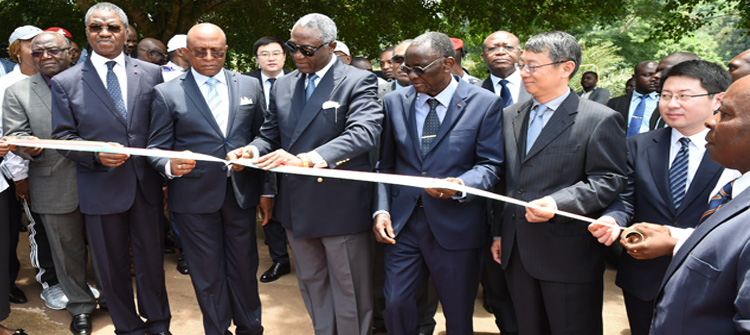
<point>331,104</point>
<point>245,101</point>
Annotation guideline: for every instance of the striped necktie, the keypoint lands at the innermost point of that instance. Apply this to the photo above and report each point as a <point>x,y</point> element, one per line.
<point>718,200</point>
<point>678,173</point>
<point>213,95</point>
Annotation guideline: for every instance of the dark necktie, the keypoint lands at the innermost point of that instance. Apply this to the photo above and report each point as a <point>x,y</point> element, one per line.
<point>310,86</point>
<point>678,173</point>
<point>430,127</point>
<point>113,88</point>
<point>635,122</point>
<point>718,200</point>
<point>505,93</point>
<point>271,81</point>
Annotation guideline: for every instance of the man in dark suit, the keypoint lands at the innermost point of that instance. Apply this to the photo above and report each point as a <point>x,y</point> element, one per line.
<point>462,146</point>
<point>501,51</point>
<point>212,110</point>
<point>270,54</point>
<point>590,91</point>
<point>401,78</point>
<point>637,108</point>
<point>565,153</point>
<point>705,288</point>
<point>657,165</point>
<point>324,115</point>
<point>108,98</point>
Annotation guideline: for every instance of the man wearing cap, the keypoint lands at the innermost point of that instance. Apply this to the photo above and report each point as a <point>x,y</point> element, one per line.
<point>15,169</point>
<point>179,57</point>
<point>342,52</point>
<point>457,70</point>
<point>153,51</point>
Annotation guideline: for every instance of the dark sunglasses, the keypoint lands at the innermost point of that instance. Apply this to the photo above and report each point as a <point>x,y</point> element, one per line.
<point>218,54</point>
<point>308,51</point>
<point>50,52</point>
<point>112,28</point>
<point>418,70</point>
<point>397,59</point>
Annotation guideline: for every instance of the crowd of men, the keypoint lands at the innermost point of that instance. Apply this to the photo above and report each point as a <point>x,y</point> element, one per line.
<point>669,159</point>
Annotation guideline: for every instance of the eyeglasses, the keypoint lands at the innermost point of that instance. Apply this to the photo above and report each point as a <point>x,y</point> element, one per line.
<point>418,70</point>
<point>531,68</point>
<point>397,59</point>
<point>508,48</point>
<point>306,50</point>
<point>274,54</point>
<point>683,97</point>
<point>203,53</point>
<point>97,28</point>
<point>50,52</point>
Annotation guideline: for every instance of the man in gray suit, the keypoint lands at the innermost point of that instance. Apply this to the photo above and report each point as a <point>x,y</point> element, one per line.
<point>561,152</point>
<point>501,51</point>
<point>52,178</point>
<point>324,115</point>
<point>402,78</point>
<point>590,91</point>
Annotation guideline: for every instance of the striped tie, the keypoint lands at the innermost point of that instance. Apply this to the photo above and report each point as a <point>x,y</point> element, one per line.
<point>213,95</point>
<point>678,173</point>
<point>718,200</point>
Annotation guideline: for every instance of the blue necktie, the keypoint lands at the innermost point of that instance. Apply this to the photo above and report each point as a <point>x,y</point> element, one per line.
<point>113,88</point>
<point>718,200</point>
<point>637,119</point>
<point>535,127</point>
<point>310,86</point>
<point>430,126</point>
<point>505,93</point>
<point>678,173</point>
<point>213,94</point>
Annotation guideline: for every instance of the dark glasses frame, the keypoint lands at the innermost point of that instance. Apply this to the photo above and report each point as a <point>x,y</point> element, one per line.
<point>419,70</point>
<point>97,28</point>
<point>51,52</point>
<point>306,50</point>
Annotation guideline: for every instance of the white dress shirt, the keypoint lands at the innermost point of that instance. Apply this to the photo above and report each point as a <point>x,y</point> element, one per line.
<point>100,64</point>
<point>696,149</point>
<point>514,84</point>
<point>267,86</point>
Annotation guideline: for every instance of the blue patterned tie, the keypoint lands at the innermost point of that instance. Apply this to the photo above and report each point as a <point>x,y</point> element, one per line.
<point>678,173</point>
<point>505,93</point>
<point>113,88</point>
<point>637,119</point>
<point>718,200</point>
<point>430,126</point>
<point>213,94</point>
<point>535,127</point>
<point>310,86</point>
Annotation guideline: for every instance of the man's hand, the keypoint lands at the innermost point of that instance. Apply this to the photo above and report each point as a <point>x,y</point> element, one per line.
<point>4,147</point>
<point>383,229</point>
<point>657,242</point>
<point>537,215</point>
<point>265,209</point>
<point>605,232</point>
<point>22,190</point>
<point>444,193</point>
<point>241,152</point>
<point>497,251</point>
<point>33,152</point>
<point>113,160</point>
<point>181,167</point>
<point>276,158</point>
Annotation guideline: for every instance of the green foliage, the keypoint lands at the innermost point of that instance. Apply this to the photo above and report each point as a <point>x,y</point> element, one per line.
<point>43,14</point>
<point>604,59</point>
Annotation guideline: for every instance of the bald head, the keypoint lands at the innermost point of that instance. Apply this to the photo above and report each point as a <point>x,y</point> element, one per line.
<point>739,66</point>
<point>644,77</point>
<point>501,52</point>
<point>152,50</point>
<point>208,47</point>
<point>667,62</point>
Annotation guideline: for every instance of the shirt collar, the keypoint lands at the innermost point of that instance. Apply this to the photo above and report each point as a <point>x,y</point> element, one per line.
<point>652,95</point>
<point>264,77</point>
<point>698,139</point>
<point>514,78</point>
<point>322,72</point>
<point>201,79</point>
<point>444,97</point>
<point>100,61</point>
<point>553,104</point>
<point>741,184</point>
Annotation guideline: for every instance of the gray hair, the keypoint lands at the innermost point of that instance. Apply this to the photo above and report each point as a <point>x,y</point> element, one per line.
<point>439,44</point>
<point>319,22</point>
<point>107,7</point>
<point>559,45</point>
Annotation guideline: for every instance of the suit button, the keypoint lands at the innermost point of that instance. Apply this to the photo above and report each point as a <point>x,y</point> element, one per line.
<point>424,173</point>
<point>130,135</point>
<point>513,216</point>
<point>677,224</point>
<point>227,142</point>
<point>520,190</point>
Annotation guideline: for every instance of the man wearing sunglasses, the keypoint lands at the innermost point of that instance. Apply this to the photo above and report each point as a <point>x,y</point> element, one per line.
<point>440,127</point>
<point>324,115</point>
<point>153,51</point>
<point>565,153</point>
<point>402,78</point>
<point>108,98</point>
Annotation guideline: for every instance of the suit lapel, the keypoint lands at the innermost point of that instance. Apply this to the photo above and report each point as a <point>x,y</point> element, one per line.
<point>322,92</point>
<point>487,84</point>
<point>518,125</point>
<point>91,78</point>
<point>707,171</point>
<point>133,81</point>
<point>39,86</point>
<point>410,118</point>
<point>234,98</point>
<point>658,157</point>
<point>561,119</point>
<point>196,97</point>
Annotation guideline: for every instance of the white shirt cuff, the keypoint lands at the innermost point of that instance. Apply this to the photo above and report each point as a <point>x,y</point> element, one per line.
<point>382,211</point>
<point>681,234</point>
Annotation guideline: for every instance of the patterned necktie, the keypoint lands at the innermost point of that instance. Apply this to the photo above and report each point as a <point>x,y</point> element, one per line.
<point>678,173</point>
<point>535,127</point>
<point>430,127</point>
<point>113,88</point>
<point>718,200</point>
<point>310,86</point>
<point>505,93</point>
<point>637,119</point>
<point>213,95</point>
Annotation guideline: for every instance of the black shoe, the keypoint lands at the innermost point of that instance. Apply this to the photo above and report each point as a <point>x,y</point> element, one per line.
<point>20,332</point>
<point>103,304</point>
<point>182,266</point>
<point>81,324</point>
<point>162,333</point>
<point>17,296</point>
<point>275,271</point>
<point>486,304</point>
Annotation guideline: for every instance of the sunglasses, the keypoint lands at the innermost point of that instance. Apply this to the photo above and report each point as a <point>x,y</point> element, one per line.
<point>308,51</point>
<point>418,70</point>
<point>397,59</point>
<point>97,28</point>
<point>218,54</point>
<point>50,52</point>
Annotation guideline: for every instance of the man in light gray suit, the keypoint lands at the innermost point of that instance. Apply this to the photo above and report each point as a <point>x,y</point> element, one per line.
<point>501,52</point>
<point>52,178</point>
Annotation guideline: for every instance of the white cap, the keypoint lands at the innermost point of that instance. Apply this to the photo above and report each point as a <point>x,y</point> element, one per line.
<point>24,33</point>
<point>340,46</point>
<point>177,42</point>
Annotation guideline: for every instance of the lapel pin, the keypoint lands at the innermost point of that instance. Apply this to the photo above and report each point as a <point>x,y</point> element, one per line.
<point>235,80</point>
<point>459,105</point>
<point>136,71</point>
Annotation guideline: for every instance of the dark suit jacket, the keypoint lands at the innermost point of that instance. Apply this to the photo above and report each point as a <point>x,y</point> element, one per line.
<point>522,94</point>
<point>600,95</point>
<point>579,160</point>
<point>647,198</point>
<point>83,110</point>
<point>706,289</point>
<point>468,146</point>
<point>256,74</point>
<point>182,120</point>
<point>342,136</point>
<point>621,104</point>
